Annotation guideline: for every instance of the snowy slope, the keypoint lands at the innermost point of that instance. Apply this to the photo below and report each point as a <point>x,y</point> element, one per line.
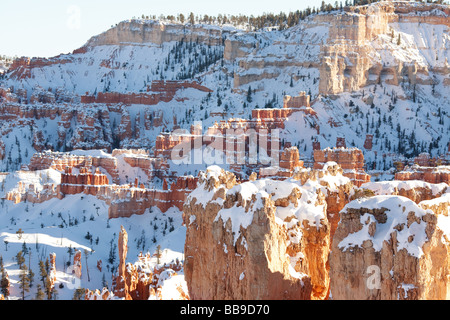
<point>56,225</point>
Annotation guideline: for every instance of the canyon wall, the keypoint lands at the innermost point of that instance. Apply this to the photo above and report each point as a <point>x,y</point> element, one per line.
<point>387,247</point>
<point>268,239</point>
<point>254,266</point>
<point>351,59</point>
<point>156,32</point>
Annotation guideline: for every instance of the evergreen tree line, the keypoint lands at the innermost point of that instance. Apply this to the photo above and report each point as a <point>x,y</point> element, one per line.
<point>282,20</point>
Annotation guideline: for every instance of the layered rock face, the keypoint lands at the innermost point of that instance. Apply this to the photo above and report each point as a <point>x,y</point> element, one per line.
<point>84,181</point>
<point>142,31</point>
<point>164,91</point>
<point>436,174</point>
<point>353,56</point>
<point>21,68</point>
<point>350,49</point>
<point>268,239</point>
<point>87,126</point>
<point>252,263</point>
<point>351,161</point>
<point>387,247</point>
<point>96,173</point>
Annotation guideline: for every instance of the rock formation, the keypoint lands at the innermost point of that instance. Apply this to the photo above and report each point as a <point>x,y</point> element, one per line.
<point>143,279</point>
<point>416,191</point>
<point>387,247</point>
<point>336,187</point>
<point>355,37</point>
<point>52,272</point>
<point>96,294</point>
<point>436,174</point>
<point>121,287</point>
<point>351,161</point>
<point>77,264</point>
<point>156,32</point>
<point>267,239</point>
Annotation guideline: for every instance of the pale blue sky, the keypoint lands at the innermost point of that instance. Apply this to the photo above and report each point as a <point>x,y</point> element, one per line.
<point>49,27</point>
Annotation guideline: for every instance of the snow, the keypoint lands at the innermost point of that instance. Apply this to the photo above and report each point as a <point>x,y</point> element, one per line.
<point>387,187</point>
<point>293,53</point>
<point>397,209</point>
<point>20,181</point>
<point>91,153</point>
<point>240,218</point>
<point>406,287</point>
<point>169,287</point>
<point>252,194</point>
<point>55,225</point>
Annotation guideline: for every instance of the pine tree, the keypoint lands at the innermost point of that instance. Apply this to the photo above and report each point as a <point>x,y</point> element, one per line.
<point>70,252</point>
<point>191,18</point>
<point>104,282</point>
<point>86,253</point>
<point>78,294</point>
<point>48,287</point>
<point>4,282</point>
<point>24,248</point>
<point>42,272</point>
<point>20,259</point>
<point>24,280</point>
<point>31,277</point>
<point>39,293</point>
<point>249,95</point>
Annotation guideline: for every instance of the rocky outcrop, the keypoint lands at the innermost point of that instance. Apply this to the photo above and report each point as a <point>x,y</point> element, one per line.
<point>439,205</point>
<point>52,271</point>
<point>157,32</point>
<point>163,91</point>
<point>77,264</point>
<point>436,174</point>
<point>267,239</point>
<point>351,161</point>
<point>387,247</point>
<point>21,68</point>
<point>358,35</point>
<point>142,280</point>
<point>84,181</point>
<point>60,161</point>
<point>89,172</point>
<point>121,288</point>
<point>336,188</point>
<point>414,190</point>
<point>96,294</point>
<point>125,201</point>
